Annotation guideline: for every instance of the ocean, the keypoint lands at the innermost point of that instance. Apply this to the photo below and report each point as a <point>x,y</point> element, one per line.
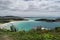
<point>30,24</point>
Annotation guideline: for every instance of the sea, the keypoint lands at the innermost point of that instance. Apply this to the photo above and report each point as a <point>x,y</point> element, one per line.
<point>31,23</point>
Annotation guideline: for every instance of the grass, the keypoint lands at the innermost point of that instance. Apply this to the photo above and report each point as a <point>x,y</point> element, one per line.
<point>29,35</point>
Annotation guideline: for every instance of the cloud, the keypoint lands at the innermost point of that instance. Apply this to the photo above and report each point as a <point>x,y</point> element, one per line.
<point>30,7</point>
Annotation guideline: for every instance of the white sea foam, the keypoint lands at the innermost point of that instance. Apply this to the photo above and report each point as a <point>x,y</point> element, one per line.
<point>31,20</point>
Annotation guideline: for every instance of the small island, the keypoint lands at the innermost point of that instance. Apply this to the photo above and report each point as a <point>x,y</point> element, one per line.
<point>47,20</point>
<point>6,19</point>
<point>58,19</point>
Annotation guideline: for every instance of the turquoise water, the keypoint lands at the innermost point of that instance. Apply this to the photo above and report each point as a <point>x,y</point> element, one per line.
<point>40,18</point>
<point>28,25</point>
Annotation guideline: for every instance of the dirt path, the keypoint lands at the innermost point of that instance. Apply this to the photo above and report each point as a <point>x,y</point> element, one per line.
<point>5,37</point>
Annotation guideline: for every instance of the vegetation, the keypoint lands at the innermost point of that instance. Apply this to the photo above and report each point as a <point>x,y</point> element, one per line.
<point>5,19</point>
<point>31,35</point>
<point>58,19</point>
<point>47,20</point>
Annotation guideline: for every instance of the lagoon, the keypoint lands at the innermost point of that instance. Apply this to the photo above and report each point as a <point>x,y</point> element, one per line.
<point>30,24</point>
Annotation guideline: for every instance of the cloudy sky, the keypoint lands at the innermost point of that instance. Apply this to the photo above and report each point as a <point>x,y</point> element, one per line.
<point>31,8</point>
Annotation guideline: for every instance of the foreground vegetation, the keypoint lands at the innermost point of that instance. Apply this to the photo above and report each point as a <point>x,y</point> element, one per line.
<point>37,34</point>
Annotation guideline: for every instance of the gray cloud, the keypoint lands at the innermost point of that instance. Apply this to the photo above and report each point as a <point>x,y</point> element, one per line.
<point>30,7</point>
